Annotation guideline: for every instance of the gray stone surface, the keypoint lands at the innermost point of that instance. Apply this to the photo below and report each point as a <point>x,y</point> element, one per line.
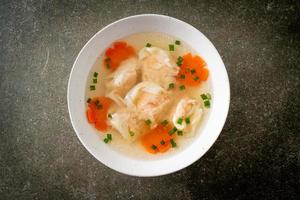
<point>256,155</point>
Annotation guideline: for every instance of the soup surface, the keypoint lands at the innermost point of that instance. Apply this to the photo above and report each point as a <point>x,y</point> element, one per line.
<point>148,95</point>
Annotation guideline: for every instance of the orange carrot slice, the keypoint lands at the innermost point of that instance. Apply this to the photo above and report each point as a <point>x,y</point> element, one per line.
<point>97,112</point>
<point>119,52</point>
<point>157,140</point>
<point>192,70</point>
<point>204,74</point>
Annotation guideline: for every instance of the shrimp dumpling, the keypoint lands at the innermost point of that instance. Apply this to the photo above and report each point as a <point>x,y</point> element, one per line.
<point>157,66</point>
<point>150,100</point>
<point>123,79</point>
<point>128,123</point>
<point>187,114</point>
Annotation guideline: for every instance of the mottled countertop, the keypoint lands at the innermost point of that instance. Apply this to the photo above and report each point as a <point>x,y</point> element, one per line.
<point>257,153</point>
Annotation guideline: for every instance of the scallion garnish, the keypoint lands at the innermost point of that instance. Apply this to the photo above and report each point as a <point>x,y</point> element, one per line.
<point>148,45</point>
<point>171,47</point>
<point>187,120</point>
<point>182,76</point>
<point>196,78</point>
<point>108,138</point>
<point>179,61</point>
<point>131,133</point>
<point>88,100</point>
<point>95,74</point>
<point>99,106</point>
<point>109,115</point>
<point>180,133</point>
<point>94,80</point>
<point>173,143</point>
<point>207,103</point>
<point>193,71</point>
<point>179,120</point>
<point>204,96</point>
<point>172,131</point>
<point>162,142</point>
<point>92,87</point>
<point>148,122</point>
<point>97,102</point>
<point>153,147</point>
<point>164,123</point>
<point>171,85</point>
<point>177,42</point>
<point>182,87</point>
<point>206,99</point>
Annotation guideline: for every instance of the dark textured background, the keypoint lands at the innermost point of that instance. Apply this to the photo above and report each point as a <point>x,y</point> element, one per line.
<point>256,156</point>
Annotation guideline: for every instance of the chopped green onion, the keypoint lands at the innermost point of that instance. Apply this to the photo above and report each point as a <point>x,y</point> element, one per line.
<point>172,131</point>
<point>95,74</point>
<point>193,71</point>
<point>187,120</point>
<point>109,136</point>
<point>173,143</point>
<point>109,115</point>
<point>162,142</point>
<point>154,147</point>
<point>99,106</point>
<point>165,122</point>
<point>182,87</point>
<point>131,133</point>
<point>177,42</point>
<point>180,133</point>
<point>89,100</point>
<point>179,61</point>
<point>171,47</point>
<point>106,140</point>
<point>179,121</point>
<point>148,122</point>
<point>182,76</point>
<point>107,65</point>
<point>97,102</point>
<point>148,45</point>
<point>196,78</point>
<point>94,80</point>
<point>207,103</point>
<point>92,87</point>
<point>171,85</point>
<point>204,96</point>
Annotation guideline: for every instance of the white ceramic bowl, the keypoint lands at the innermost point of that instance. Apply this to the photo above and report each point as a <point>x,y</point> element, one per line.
<point>85,60</point>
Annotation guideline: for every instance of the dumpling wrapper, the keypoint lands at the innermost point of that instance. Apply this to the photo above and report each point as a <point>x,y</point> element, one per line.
<point>150,100</point>
<point>187,108</point>
<point>123,79</point>
<point>128,123</point>
<point>157,66</point>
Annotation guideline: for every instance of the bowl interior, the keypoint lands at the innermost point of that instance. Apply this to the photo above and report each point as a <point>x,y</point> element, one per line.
<point>87,57</point>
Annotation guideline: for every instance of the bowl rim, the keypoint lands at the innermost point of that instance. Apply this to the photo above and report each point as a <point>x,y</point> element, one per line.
<point>187,163</point>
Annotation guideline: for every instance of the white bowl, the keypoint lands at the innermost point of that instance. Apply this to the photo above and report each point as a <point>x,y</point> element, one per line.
<point>85,60</point>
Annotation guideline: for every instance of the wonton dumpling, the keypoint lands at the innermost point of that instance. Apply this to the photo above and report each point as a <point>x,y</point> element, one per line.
<point>157,66</point>
<point>149,99</point>
<point>121,81</point>
<point>128,123</point>
<point>187,108</point>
